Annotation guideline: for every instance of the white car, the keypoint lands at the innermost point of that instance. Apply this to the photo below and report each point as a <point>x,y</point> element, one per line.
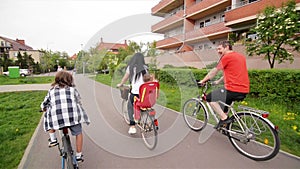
<point>23,72</point>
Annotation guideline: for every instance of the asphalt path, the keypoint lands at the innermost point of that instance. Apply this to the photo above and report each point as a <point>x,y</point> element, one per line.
<point>107,144</point>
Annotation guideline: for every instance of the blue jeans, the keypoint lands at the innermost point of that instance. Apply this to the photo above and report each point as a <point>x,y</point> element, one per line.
<point>130,108</point>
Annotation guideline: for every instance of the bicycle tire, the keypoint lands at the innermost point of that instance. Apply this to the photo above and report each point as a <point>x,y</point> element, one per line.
<point>125,111</point>
<point>68,153</point>
<point>262,142</point>
<point>149,130</point>
<point>195,114</point>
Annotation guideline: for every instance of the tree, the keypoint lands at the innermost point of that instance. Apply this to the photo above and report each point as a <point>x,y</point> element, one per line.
<point>5,61</point>
<point>276,31</point>
<point>24,61</point>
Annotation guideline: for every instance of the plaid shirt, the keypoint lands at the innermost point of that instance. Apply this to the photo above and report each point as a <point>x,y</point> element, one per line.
<point>63,108</point>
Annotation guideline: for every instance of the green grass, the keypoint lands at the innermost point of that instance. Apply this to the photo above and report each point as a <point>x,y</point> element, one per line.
<point>5,80</point>
<point>19,117</point>
<point>282,114</point>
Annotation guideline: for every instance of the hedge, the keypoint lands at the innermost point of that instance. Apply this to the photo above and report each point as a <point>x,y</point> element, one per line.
<point>272,84</point>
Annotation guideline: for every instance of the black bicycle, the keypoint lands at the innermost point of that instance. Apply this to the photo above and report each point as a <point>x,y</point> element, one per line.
<point>68,159</point>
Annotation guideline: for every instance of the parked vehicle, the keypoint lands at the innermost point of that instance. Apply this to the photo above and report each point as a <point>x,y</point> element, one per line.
<point>23,72</point>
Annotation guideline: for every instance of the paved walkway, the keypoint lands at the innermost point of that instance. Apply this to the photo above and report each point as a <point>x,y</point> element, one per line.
<point>26,87</point>
<point>107,144</point>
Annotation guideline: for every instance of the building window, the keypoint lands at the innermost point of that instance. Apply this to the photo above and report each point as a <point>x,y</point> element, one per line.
<point>200,47</point>
<point>222,17</point>
<point>201,24</point>
<point>207,22</point>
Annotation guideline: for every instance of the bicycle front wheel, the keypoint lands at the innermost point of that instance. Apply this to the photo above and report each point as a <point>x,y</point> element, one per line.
<point>68,154</point>
<point>194,114</point>
<point>258,141</point>
<point>125,111</point>
<point>149,130</point>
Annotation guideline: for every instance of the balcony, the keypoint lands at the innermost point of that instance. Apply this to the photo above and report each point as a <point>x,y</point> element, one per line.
<point>164,6</point>
<point>168,23</point>
<point>247,13</point>
<point>169,43</point>
<point>213,31</point>
<point>217,30</point>
<point>206,7</point>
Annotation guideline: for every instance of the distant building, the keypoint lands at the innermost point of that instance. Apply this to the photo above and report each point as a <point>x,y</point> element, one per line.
<point>111,47</point>
<point>74,57</point>
<point>192,28</point>
<point>13,47</point>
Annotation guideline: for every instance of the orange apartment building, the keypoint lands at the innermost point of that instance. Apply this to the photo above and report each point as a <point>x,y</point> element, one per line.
<point>192,28</point>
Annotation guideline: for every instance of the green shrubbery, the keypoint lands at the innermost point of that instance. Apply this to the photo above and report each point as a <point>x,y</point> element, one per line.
<point>272,84</point>
<point>276,84</point>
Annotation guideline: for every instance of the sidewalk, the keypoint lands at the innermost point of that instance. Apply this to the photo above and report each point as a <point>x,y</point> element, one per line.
<point>24,87</point>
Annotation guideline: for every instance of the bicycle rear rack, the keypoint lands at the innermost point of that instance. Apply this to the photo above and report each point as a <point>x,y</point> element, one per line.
<point>263,113</point>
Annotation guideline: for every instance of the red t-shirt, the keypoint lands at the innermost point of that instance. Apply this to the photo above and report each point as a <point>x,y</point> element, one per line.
<point>235,72</point>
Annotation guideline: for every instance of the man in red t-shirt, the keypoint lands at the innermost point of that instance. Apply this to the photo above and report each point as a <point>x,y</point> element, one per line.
<point>235,77</point>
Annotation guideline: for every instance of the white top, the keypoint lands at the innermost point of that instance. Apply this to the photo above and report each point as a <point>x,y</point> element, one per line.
<point>135,85</point>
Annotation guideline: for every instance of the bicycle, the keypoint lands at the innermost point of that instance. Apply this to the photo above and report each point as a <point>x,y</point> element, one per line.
<point>125,91</point>
<point>250,132</point>
<point>147,122</point>
<point>68,159</point>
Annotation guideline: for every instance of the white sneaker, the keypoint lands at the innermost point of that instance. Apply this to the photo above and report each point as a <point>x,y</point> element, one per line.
<point>132,130</point>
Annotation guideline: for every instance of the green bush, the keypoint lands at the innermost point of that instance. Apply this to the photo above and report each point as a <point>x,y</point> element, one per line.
<point>276,84</point>
<point>272,84</point>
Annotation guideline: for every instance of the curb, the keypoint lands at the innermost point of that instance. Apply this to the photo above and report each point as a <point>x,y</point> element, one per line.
<point>28,148</point>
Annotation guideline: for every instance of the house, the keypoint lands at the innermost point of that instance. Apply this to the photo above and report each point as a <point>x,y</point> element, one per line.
<point>111,47</point>
<point>192,28</point>
<point>13,47</point>
<point>74,57</point>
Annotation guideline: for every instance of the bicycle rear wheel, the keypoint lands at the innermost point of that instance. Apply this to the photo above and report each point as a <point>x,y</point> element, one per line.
<point>194,114</point>
<point>125,111</point>
<point>148,130</point>
<point>70,163</point>
<point>259,142</point>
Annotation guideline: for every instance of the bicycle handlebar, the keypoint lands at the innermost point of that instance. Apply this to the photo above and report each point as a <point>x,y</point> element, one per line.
<point>124,86</point>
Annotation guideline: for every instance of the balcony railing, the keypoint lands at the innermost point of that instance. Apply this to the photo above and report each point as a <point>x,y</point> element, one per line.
<point>249,10</point>
<point>169,22</point>
<point>164,6</point>
<point>206,7</point>
<point>206,32</point>
<point>171,42</point>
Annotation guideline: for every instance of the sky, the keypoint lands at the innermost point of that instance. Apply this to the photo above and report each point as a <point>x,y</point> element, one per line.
<point>74,25</point>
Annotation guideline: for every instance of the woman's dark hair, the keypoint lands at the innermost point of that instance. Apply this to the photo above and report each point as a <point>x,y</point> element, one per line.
<point>137,63</point>
<point>63,79</point>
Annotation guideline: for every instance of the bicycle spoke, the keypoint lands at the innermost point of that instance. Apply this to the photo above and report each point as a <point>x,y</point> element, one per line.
<point>258,140</point>
<point>149,131</point>
<point>194,114</point>
<point>125,111</point>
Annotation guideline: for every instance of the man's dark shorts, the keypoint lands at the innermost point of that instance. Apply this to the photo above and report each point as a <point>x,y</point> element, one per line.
<point>225,96</point>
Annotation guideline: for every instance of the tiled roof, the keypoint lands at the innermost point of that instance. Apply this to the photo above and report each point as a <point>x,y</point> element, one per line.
<point>113,47</point>
<point>16,45</point>
<point>74,57</point>
<point>104,45</point>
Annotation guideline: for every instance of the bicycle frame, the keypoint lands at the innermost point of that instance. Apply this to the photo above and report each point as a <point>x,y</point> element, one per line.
<point>241,123</point>
<point>65,138</point>
<point>249,130</point>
